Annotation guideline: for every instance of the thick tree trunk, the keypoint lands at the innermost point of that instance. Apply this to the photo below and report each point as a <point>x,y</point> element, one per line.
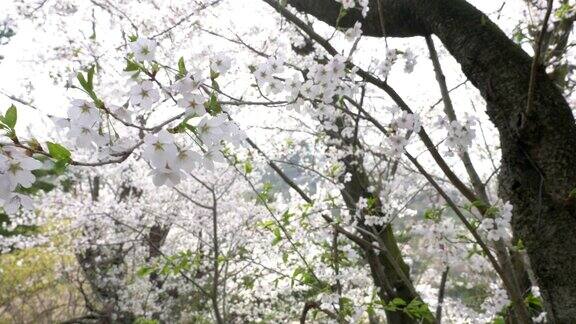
<point>538,149</point>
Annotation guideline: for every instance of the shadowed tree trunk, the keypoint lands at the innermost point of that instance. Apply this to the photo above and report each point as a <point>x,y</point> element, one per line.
<point>538,148</point>
<point>390,274</point>
<point>95,261</point>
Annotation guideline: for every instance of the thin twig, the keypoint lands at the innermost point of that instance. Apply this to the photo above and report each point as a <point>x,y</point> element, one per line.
<point>536,61</point>
<point>441,292</point>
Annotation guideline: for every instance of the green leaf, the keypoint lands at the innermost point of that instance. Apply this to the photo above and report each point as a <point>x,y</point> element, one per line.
<point>88,86</point>
<point>418,309</point>
<point>433,214</point>
<point>59,167</point>
<point>395,304</point>
<point>214,75</point>
<point>83,82</point>
<point>343,12</point>
<point>59,152</point>
<point>10,117</point>
<point>277,236</point>
<point>214,107</point>
<point>248,282</point>
<point>91,77</point>
<point>533,302</point>
<point>44,186</point>
<point>499,320</point>
<point>519,246</point>
<point>181,68</point>
<point>144,271</point>
<point>572,193</point>
<point>563,10</point>
<point>518,36</point>
<point>131,66</point>
<point>144,320</point>
<point>266,224</point>
<point>248,167</point>
<point>347,306</point>
<point>297,271</point>
<point>286,217</point>
<point>398,302</point>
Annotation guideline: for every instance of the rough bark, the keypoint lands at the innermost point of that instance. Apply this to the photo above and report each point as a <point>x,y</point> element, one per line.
<point>538,150</point>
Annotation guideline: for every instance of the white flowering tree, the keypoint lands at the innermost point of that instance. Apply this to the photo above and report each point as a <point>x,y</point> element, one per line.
<point>278,161</point>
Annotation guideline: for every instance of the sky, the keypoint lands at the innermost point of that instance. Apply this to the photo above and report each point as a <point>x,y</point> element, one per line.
<point>19,68</point>
<point>25,72</point>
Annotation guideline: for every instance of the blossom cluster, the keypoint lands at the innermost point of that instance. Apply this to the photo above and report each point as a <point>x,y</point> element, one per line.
<point>85,124</point>
<point>349,4</point>
<point>498,227</point>
<point>404,124</point>
<point>16,174</point>
<point>460,135</point>
<point>169,155</point>
<point>325,82</point>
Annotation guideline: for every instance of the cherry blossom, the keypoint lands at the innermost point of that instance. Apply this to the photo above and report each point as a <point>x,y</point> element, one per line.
<point>193,103</point>
<point>220,63</point>
<point>144,49</point>
<point>144,95</point>
<point>159,149</point>
<point>83,113</point>
<point>354,32</point>
<point>17,169</point>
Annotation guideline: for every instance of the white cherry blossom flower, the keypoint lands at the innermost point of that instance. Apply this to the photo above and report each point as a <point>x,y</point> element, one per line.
<point>347,4</point>
<point>232,133</point>
<point>191,82</point>
<point>365,6</point>
<point>407,121</point>
<point>85,136</point>
<point>263,74</point>
<point>166,176</point>
<point>275,64</point>
<point>193,103</point>
<point>274,87</point>
<point>212,155</point>
<point>460,136</point>
<point>159,149</point>
<point>293,86</point>
<point>187,160</point>
<point>410,58</point>
<point>144,95</point>
<point>354,32</point>
<point>386,66</point>
<point>18,170</point>
<point>121,113</point>
<point>209,129</point>
<point>396,144</point>
<point>83,113</point>
<point>16,200</point>
<point>144,49</point>
<point>220,63</point>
